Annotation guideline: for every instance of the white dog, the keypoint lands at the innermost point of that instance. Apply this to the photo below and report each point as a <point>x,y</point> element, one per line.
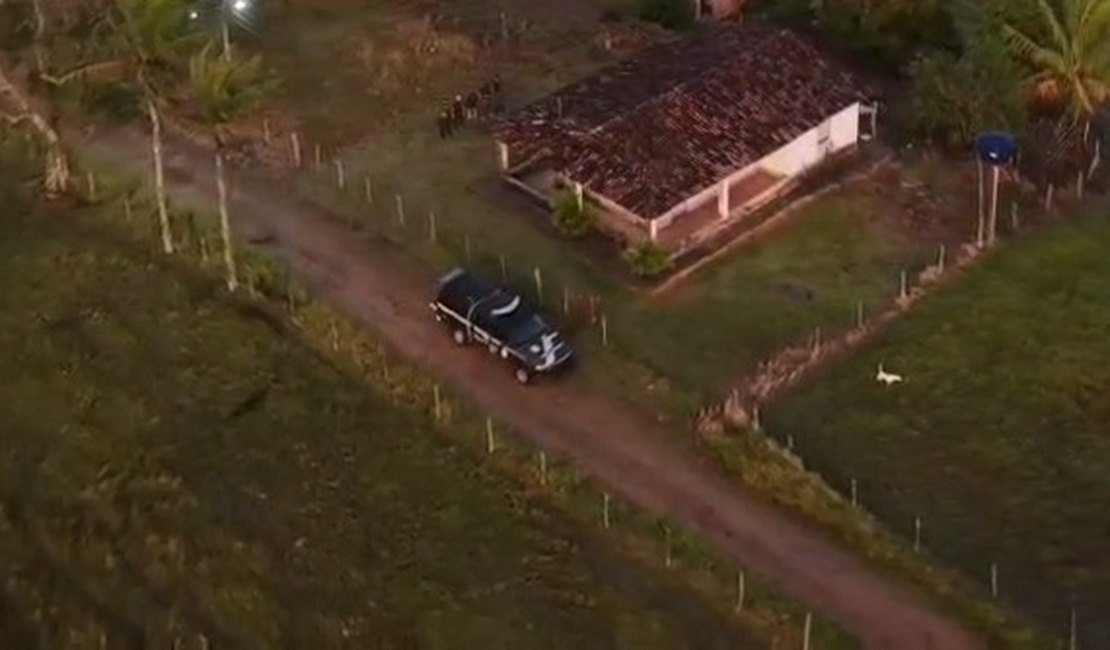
<point>888,378</point>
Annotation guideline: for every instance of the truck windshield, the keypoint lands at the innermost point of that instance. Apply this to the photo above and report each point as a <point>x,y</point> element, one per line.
<point>521,326</point>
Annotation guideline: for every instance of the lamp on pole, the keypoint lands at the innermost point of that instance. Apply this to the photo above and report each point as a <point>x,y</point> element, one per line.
<point>227,13</point>
<point>995,149</point>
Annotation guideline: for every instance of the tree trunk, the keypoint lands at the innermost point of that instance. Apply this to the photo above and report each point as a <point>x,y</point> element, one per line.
<point>57,173</point>
<point>40,33</point>
<point>225,224</point>
<point>159,176</point>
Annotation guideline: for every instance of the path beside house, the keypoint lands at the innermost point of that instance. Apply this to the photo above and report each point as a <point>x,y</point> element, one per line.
<point>375,283</point>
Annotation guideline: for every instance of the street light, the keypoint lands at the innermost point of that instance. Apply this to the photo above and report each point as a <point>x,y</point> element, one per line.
<point>226,12</point>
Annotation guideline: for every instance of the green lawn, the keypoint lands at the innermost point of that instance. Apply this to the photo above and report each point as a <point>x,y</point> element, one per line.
<point>174,462</point>
<point>1000,437</point>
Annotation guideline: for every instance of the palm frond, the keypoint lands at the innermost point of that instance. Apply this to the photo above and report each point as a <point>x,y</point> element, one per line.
<point>1026,48</point>
<point>1094,30</point>
<point>226,89</point>
<point>1056,28</point>
<point>113,68</point>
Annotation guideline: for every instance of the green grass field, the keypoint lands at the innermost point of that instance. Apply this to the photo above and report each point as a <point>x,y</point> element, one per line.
<point>178,463</point>
<point>999,440</point>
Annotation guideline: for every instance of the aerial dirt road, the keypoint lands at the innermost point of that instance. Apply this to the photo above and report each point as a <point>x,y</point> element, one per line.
<point>380,287</point>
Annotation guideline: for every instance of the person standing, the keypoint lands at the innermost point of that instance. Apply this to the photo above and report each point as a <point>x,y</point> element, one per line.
<point>485,99</point>
<point>472,105</point>
<point>495,92</point>
<point>457,115</point>
<point>443,121</point>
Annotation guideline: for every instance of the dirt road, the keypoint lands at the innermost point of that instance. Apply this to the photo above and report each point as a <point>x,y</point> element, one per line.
<point>389,294</point>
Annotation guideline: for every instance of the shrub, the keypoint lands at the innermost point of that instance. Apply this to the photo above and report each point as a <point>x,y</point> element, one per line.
<point>955,97</point>
<point>647,260</point>
<point>116,100</point>
<point>672,14</point>
<point>570,219</point>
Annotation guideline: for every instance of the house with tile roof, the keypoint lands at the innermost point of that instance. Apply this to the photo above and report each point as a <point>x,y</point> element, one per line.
<point>686,137</point>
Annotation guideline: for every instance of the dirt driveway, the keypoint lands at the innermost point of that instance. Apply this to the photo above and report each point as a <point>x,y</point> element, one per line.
<point>387,292</point>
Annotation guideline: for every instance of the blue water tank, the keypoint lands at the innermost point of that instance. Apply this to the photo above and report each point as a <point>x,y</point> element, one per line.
<point>996,148</point>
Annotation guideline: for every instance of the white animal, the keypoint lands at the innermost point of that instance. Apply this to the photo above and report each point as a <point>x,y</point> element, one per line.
<point>888,378</point>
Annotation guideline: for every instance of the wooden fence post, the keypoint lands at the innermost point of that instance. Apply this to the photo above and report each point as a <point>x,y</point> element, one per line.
<point>604,332</point>
<point>318,156</point>
<point>504,271</point>
<point>940,258</point>
<point>538,275</point>
<point>605,509</point>
<point>491,445</point>
<point>436,401</point>
<point>400,209</point>
<point>807,630</point>
<point>994,580</point>
<point>266,131</point>
<point>854,493</point>
<point>368,189</point>
<point>295,146</point>
<point>127,207</point>
<point>740,589</point>
<point>903,286</point>
<point>92,186</point>
<point>917,534</point>
<point>667,544</point>
<point>543,468</point>
<point>340,174</point>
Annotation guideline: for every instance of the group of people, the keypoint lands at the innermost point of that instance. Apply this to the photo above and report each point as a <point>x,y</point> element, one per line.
<point>486,100</point>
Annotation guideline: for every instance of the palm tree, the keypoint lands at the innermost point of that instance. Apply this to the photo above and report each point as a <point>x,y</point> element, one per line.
<point>1072,65</point>
<point>154,34</point>
<point>225,89</point>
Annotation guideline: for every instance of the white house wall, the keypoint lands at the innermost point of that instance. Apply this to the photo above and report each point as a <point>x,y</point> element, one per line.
<point>790,160</point>
<point>804,152</point>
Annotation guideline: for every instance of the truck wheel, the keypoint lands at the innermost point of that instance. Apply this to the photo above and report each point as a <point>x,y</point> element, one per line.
<point>522,375</point>
<point>459,336</point>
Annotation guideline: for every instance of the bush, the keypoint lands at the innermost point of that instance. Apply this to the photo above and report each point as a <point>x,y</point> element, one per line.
<point>647,260</point>
<point>570,219</point>
<point>116,100</point>
<point>955,97</point>
<point>672,14</point>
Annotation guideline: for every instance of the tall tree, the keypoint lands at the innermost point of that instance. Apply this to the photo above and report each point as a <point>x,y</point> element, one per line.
<point>1071,64</point>
<point>154,35</point>
<point>225,89</point>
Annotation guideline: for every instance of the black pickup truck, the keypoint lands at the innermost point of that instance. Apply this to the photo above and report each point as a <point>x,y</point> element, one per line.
<point>476,310</point>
